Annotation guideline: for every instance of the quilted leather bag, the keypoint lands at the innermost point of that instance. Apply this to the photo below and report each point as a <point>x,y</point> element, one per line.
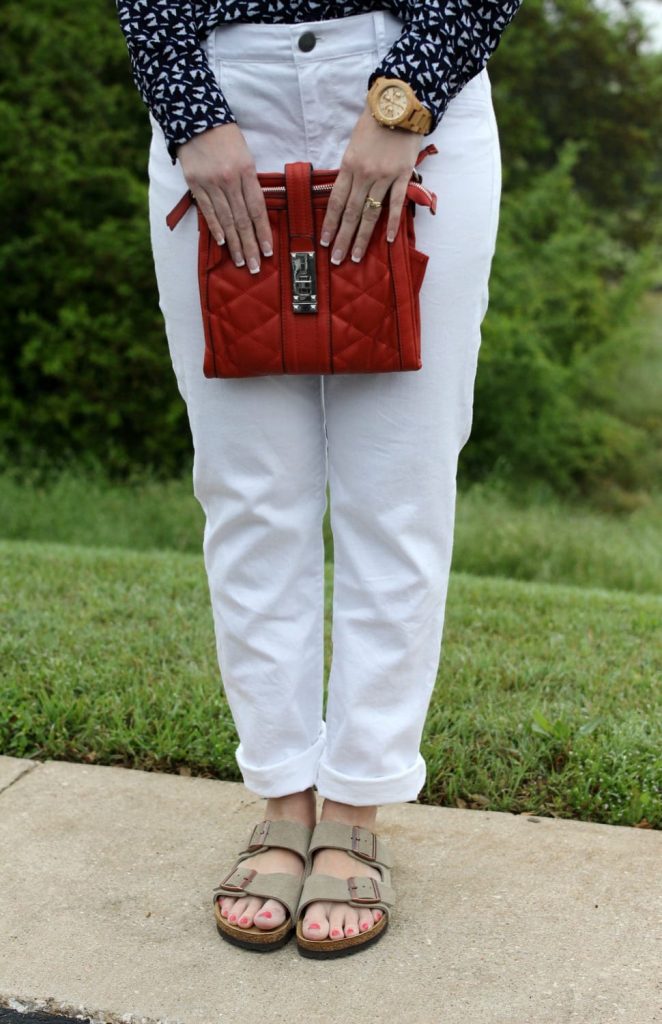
<point>301,313</point>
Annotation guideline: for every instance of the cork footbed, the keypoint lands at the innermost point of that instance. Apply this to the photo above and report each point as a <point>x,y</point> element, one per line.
<point>327,948</point>
<point>253,937</point>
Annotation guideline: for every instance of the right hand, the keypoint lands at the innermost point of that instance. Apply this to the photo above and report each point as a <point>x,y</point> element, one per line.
<point>220,172</point>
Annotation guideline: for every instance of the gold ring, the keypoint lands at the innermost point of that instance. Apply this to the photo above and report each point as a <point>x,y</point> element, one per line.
<point>372,204</point>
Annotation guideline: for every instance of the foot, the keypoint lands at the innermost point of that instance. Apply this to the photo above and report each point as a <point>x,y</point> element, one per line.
<point>324,920</point>
<point>246,911</point>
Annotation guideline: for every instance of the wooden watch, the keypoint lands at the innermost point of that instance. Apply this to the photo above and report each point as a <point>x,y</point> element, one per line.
<point>393,103</point>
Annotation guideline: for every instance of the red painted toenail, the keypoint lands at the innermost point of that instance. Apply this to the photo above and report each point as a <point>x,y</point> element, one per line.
<point>378,915</point>
<point>244,920</point>
<point>350,931</point>
<point>314,925</point>
<point>265,913</point>
<point>233,917</point>
<point>364,925</point>
<point>336,931</point>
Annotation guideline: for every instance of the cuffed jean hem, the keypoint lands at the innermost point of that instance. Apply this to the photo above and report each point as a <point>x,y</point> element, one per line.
<point>290,776</point>
<point>389,789</point>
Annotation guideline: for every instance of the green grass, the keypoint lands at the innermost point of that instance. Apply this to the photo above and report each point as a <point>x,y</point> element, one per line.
<point>547,698</point>
<point>531,535</point>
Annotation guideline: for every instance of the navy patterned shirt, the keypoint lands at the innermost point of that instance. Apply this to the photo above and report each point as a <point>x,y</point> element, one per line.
<point>442,45</point>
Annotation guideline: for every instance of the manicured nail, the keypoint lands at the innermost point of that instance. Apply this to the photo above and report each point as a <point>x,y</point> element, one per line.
<point>233,917</point>
<point>314,925</point>
<point>326,238</point>
<point>336,931</point>
<point>357,254</point>
<point>390,237</point>
<point>350,931</point>
<point>266,249</point>
<point>337,256</point>
<point>253,265</point>
<point>220,240</point>
<point>243,920</point>
<point>239,261</point>
<point>266,913</point>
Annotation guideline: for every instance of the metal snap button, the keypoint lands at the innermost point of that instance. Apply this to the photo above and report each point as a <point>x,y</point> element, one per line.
<point>306,41</point>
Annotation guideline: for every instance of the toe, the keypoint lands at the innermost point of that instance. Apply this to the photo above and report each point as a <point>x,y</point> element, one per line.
<point>336,920</point>
<point>245,919</point>
<point>227,903</point>
<point>238,909</point>
<point>271,915</point>
<point>366,920</point>
<point>316,921</point>
<point>351,920</point>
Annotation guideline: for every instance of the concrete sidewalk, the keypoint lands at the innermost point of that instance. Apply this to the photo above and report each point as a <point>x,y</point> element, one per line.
<point>105,911</point>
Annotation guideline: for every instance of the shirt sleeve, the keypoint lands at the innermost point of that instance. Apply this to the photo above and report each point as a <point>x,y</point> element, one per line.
<point>171,70</point>
<point>443,45</point>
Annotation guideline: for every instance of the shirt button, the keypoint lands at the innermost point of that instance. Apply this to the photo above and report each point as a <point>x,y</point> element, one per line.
<point>306,41</point>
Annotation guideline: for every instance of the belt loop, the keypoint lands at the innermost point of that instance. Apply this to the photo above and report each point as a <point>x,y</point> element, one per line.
<point>380,32</point>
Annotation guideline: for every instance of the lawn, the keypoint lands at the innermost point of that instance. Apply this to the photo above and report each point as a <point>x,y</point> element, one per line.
<point>547,698</point>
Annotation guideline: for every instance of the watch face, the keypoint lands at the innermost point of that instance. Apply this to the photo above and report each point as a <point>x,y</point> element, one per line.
<point>393,102</point>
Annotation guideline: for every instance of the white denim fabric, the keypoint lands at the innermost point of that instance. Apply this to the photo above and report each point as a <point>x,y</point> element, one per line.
<point>387,443</point>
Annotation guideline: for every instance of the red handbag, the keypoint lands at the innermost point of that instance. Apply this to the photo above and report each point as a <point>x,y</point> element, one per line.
<point>301,313</point>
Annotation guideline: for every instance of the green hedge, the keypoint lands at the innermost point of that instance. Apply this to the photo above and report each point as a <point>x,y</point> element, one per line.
<point>85,372</point>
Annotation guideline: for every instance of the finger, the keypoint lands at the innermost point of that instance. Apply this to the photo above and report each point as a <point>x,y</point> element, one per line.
<point>226,216</point>
<point>257,211</point>
<point>335,206</point>
<point>398,198</point>
<point>209,213</point>
<point>350,220</point>
<point>243,223</point>
<point>369,219</point>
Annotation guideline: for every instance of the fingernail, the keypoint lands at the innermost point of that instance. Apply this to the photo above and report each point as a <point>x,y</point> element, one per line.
<point>239,261</point>
<point>390,237</point>
<point>220,240</point>
<point>253,265</point>
<point>356,255</point>
<point>337,256</point>
<point>326,238</point>
<point>266,249</point>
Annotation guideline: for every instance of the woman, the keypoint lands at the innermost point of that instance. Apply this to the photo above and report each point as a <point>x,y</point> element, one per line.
<point>234,89</point>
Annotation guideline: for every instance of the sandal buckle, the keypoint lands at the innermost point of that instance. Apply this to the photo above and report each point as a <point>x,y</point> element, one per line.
<point>237,879</point>
<point>364,843</point>
<point>363,889</point>
<point>258,835</point>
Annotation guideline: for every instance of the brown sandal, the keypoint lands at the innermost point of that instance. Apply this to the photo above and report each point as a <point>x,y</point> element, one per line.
<point>282,886</point>
<point>358,891</point>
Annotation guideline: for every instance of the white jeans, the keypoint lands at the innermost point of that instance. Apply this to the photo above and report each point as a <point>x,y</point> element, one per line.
<point>388,443</point>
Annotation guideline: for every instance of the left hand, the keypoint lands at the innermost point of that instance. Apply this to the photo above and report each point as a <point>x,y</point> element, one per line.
<point>376,159</point>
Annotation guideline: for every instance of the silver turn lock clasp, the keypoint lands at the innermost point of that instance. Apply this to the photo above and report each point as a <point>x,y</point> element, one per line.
<point>304,282</point>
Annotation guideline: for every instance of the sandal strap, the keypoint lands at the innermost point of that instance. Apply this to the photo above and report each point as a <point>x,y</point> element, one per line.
<point>289,835</point>
<point>353,839</point>
<point>358,891</point>
<point>277,885</point>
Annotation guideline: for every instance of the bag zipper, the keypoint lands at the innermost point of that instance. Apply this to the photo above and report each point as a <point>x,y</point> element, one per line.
<point>329,185</point>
